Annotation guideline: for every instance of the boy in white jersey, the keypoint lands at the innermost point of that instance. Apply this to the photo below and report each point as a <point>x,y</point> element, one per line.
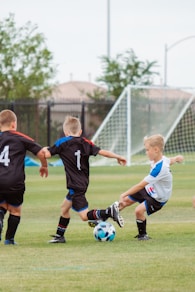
<point>153,192</point>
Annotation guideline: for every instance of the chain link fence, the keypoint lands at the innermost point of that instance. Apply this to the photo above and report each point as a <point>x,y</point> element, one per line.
<point>43,120</point>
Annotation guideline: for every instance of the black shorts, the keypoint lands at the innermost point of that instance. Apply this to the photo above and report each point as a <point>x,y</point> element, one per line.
<point>151,204</point>
<point>79,201</point>
<point>14,198</point>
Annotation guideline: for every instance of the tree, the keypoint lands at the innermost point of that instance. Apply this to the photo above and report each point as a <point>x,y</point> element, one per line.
<point>26,68</point>
<point>125,69</point>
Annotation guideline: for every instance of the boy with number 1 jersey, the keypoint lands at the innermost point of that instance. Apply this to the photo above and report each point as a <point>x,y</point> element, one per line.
<point>75,151</point>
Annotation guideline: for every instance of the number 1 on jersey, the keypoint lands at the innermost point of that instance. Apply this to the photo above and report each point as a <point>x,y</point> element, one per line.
<point>78,155</point>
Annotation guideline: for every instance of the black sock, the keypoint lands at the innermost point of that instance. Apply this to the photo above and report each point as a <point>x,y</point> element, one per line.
<point>62,225</point>
<point>12,225</point>
<point>99,214</point>
<point>141,225</point>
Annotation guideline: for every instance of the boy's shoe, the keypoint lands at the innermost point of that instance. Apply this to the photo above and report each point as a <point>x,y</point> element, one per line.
<point>142,237</point>
<point>57,239</point>
<point>10,241</point>
<point>93,223</point>
<point>116,215</point>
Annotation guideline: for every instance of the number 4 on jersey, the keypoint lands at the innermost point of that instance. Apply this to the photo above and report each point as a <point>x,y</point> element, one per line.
<point>4,156</point>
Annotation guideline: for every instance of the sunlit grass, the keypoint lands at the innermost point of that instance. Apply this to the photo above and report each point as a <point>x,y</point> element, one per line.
<point>166,263</point>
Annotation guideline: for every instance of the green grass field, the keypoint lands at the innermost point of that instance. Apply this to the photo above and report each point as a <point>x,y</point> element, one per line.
<point>166,263</point>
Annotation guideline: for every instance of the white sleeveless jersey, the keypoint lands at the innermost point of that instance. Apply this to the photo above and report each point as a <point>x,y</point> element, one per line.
<point>159,180</point>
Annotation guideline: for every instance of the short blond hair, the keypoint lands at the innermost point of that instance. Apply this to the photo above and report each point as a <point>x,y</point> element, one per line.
<point>155,140</point>
<point>72,125</point>
<point>7,117</point>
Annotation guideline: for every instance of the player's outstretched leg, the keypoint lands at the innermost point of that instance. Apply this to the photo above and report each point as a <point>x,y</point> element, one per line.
<point>115,214</point>
<point>95,216</point>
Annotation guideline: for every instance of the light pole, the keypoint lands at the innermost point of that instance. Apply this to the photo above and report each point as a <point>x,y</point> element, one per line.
<point>108,28</point>
<point>167,48</point>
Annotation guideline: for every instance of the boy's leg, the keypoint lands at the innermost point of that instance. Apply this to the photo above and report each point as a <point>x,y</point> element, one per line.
<point>2,214</point>
<point>141,221</point>
<point>141,226</point>
<point>110,212</point>
<point>61,229</point>
<point>14,206</point>
<point>63,222</point>
<point>12,225</point>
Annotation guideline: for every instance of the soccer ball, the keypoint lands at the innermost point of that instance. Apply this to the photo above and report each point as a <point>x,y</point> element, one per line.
<point>104,231</point>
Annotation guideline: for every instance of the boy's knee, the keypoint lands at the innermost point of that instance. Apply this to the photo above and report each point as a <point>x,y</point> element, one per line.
<point>138,212</point>
<point>83,216</point>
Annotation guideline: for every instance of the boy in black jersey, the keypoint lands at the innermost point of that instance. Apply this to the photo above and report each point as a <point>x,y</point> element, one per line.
<point>13,147</point>
<point>75,151</point>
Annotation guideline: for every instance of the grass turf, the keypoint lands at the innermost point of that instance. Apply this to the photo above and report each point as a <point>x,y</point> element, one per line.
<point>164,263</point>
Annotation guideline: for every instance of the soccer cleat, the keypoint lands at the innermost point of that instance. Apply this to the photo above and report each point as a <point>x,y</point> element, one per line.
<point>142,237</point>
<point>114,208</point>
<point>10,241</point>
<point>93,223</point>
<point>57,239</point>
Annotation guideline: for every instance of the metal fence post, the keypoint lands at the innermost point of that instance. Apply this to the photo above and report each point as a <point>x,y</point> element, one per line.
<point>83,117</point>
<point>48,123</point>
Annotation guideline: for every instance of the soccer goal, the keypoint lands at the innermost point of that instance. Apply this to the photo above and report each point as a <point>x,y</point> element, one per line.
<point>143,111</point>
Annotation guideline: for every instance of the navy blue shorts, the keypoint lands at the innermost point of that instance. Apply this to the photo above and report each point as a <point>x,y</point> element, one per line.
<point>79,201</point>
<point>151,204</point>
<point>14,198</point>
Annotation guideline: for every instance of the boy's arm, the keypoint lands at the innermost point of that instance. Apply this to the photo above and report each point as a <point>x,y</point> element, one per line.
<point>43,169</point>
<point>176,159</point>
<point>121,160</point>
<point>134,189</point>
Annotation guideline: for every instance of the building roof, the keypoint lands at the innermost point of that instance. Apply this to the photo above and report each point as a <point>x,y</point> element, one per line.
<point>76,91</point>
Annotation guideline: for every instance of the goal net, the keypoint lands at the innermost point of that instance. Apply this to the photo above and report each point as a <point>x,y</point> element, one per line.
<point>144,111</point>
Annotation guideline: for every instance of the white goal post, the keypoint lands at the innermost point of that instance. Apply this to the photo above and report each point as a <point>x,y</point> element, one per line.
<point>142,111</point>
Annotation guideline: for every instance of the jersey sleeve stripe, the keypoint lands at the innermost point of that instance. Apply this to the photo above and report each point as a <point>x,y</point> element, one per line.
<point>22,135</point>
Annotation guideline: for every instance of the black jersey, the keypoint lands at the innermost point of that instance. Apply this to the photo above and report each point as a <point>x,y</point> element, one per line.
<point>13,147</point>
<point>75,153</point>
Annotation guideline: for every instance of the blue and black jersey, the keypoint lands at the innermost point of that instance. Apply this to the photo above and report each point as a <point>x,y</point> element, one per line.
<point>75,153</point>
<point>13,147</point>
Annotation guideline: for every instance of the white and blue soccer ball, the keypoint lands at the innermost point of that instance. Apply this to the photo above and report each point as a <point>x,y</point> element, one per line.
<point>104,231</point>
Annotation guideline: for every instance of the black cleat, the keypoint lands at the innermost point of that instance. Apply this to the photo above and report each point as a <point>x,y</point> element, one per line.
<point>57,239</point>
<point>116,215</point>
<point>93,223</point>
<point>142,237</point>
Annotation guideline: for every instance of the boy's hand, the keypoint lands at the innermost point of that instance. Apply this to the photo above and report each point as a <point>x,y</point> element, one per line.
<point>122,160</point>
<point>179,158</point>
<point>43,171</point>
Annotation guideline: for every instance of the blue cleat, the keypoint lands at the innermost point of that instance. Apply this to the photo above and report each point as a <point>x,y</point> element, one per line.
<point>10,241</point>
